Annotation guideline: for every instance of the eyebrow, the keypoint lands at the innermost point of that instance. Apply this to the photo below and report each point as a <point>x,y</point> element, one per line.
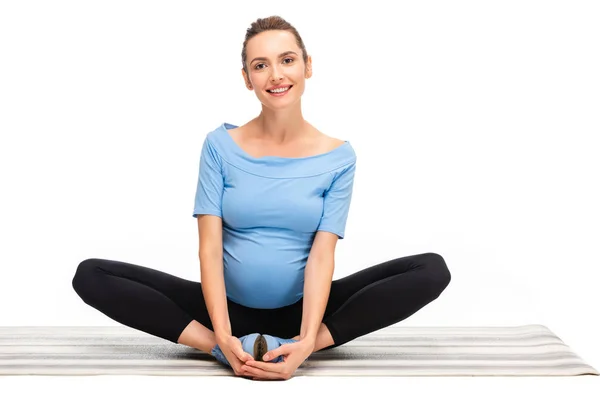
<point>285,53</point>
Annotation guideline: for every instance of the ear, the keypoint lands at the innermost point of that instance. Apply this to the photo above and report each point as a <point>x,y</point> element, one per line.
<point>308,67</point>
<point>246,80</point>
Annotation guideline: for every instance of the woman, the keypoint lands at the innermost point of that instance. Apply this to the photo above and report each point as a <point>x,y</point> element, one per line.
<point>272,201</point>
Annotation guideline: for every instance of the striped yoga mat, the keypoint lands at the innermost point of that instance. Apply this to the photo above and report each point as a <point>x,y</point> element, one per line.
<point>529,350</point>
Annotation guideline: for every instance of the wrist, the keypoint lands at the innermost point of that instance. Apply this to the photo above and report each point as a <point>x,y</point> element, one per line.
<point>309,341</point>
<point>222,335</point>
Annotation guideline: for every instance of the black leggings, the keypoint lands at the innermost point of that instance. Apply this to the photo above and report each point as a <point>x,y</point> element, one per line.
<point>163,305</point>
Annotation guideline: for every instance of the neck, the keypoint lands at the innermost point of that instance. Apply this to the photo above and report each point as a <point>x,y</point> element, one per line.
<point>281,126</point>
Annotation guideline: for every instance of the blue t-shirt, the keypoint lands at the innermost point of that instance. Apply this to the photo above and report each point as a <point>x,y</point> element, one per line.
<point>271,208</point>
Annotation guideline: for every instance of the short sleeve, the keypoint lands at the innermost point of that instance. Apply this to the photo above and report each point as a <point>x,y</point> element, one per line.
<point>209,192</point>
<point>336,202</point>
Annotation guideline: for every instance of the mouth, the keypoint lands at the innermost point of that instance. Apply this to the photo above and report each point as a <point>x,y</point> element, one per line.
<point>279,94</point>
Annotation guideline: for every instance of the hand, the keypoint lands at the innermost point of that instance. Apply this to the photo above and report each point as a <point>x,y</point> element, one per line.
<point>231,347</point>
<point>294,355</point>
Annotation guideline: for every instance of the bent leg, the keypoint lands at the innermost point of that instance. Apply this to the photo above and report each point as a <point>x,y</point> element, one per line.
<point>382,295</point>
<point>142,298</point>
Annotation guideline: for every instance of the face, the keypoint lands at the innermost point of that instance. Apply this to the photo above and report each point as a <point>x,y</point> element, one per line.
<point>267,67</point>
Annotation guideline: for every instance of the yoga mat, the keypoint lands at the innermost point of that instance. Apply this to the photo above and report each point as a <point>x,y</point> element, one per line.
<point>527,350</point>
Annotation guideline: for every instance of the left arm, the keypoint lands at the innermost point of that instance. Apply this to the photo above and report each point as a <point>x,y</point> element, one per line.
<point>317,284</point>
<point>318,276</point>
<point>318,273</point>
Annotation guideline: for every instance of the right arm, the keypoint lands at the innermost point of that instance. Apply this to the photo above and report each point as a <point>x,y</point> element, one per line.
<point>208,209</point>
<point>210,232</point>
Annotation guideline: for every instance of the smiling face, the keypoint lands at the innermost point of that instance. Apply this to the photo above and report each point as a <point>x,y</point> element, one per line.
<point>273,58</point>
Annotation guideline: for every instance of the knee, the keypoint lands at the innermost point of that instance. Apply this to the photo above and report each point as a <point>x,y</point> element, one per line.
<point>439,273</point>
<point>82,280</point>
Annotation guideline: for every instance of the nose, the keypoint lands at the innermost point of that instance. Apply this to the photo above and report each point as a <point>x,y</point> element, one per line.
<point>276,76</point>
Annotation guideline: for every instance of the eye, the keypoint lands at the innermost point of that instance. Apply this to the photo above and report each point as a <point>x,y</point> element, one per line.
<point>287,58</point>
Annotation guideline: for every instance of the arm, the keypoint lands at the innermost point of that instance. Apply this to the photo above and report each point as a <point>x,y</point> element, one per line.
<point>207,208</point>
<point>211,272</point>
<point>318,275</point>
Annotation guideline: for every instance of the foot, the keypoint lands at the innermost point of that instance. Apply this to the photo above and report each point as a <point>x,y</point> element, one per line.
<point>273,342</point>
<point>247,345</point>
<point>256,345</point>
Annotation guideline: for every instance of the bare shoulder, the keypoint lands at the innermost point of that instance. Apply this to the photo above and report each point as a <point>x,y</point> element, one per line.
<point>234,132</point>
<point>335,142</point>
<point>328,143</point>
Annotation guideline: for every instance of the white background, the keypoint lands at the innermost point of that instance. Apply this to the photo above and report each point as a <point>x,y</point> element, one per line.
<point>475,126</point>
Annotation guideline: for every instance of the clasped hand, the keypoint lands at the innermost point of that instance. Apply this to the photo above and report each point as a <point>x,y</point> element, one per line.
<point>293,354</point>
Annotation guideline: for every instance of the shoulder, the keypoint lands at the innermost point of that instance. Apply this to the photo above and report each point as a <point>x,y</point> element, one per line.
<point>334,142</point>
<point>327,143</point>
<point>214,143</point>
<point>330,143</point>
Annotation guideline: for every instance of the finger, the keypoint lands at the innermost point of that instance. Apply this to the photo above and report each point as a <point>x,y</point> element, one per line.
<point>243,371</point>
<point>258,373</point>
<point>246,371</point>
<point>242,355</point>
<point>236,363</point>
<point>236,348</point>
<point>280,351</point>
<point>266,366</point>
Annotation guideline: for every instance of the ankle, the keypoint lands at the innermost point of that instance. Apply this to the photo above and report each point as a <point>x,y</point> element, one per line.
<point>324,338</point>
<point>198,336</point>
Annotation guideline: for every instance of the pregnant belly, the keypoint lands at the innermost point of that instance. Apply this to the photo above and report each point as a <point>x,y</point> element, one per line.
<point>263,285</point>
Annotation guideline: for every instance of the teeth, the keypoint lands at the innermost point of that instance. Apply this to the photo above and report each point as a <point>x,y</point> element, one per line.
<point>279,90</point>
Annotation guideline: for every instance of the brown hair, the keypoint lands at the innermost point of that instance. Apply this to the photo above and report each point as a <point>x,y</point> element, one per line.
<point>268,24</point>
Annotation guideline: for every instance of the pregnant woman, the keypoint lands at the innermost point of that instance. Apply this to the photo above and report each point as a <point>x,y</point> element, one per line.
<point>272,200</point>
